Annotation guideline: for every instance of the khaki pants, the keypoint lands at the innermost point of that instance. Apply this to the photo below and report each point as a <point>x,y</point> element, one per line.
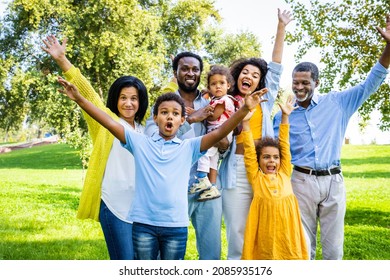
<point>322,200</point>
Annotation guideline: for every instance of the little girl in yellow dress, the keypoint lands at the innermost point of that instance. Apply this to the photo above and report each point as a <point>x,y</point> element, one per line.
<point>273,229</point>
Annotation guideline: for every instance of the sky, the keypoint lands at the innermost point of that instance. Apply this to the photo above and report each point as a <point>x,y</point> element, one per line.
<point>260,17</point>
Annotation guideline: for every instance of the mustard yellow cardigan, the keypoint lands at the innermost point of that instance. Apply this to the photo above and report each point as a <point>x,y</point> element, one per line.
<point>102,141</point>
<point>170,87</point>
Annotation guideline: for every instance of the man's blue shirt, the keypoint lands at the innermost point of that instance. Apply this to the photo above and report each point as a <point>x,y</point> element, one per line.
<point>317,132</point>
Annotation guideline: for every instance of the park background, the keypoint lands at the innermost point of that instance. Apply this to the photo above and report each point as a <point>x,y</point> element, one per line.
<point>40,185</point>
<point>260,18</point>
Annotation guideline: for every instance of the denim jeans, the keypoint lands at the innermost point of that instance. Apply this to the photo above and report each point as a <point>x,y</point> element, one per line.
<point>150,241</point>
<point>117,233</point>
<point>206,217</point>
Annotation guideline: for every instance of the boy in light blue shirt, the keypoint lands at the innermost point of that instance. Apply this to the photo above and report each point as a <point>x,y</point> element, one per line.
<point>163,164</point>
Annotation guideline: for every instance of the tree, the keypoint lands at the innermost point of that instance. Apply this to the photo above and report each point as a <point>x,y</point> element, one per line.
<point>106,39</point>
<point>12,97</point>
<point>230,47</point>
<point>348,42</point>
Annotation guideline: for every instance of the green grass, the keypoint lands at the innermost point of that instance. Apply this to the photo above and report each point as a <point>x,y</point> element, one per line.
<point>55,156</point>
<point>40,188</point>
<point>367,222</point>
<point>39,193</point>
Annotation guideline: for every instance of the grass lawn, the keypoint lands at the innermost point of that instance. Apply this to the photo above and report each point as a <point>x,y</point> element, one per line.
<point>40,188</point>
<point>367,222</point>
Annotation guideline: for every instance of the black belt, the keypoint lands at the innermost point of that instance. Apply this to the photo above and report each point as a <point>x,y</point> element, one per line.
<point>324,172</point>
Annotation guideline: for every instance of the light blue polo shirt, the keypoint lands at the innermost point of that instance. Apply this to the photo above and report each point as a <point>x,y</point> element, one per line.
<point>186,131</point>
<point>162,174</point>
<point>317,132</point>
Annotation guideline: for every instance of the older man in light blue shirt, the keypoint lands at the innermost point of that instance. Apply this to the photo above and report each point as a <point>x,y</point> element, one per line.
<point>317,129</point>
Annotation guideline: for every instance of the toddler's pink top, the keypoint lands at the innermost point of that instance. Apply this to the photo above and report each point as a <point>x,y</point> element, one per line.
<point>229,110</point>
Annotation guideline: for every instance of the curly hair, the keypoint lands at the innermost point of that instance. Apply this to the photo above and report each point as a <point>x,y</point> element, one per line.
<point>239,64</point>
<point>221,70</point>
<point>266,141</point>
<point>170,96</point>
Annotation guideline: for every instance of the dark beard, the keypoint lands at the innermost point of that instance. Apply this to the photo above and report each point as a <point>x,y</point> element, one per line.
<point>185,88</point>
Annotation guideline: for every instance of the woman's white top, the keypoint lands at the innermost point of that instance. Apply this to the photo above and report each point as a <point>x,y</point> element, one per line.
<point>118,184</point>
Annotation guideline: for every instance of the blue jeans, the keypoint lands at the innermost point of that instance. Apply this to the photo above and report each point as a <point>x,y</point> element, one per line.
<point>117,233</point>
<point>206,217</point>
<point>150,241</point>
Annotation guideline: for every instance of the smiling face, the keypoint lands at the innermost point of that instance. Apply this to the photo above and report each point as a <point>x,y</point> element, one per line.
<point>188,74</point>
<point>269,160</point>
<point>303,87</point>
<point>168,119</point>
<point>128,104</point>
<point>218,85</point>
<point>249,79</point>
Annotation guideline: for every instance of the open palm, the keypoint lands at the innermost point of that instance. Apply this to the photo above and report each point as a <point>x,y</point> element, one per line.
<point>288,107</point>
<point>285,17</point>
<point>53,47</point>
<point>385,33</point>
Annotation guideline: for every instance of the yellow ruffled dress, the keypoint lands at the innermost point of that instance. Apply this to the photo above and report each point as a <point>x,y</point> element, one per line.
<point>273,230</point>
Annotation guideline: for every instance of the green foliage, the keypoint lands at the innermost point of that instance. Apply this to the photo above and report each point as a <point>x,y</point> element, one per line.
<point>106,39</point>
<point>186,22</point>
<point>12,96</point>
<point>230,46</point>
<point>348,42</point>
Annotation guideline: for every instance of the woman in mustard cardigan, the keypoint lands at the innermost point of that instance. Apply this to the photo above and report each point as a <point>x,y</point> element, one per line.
<point>109,186</point>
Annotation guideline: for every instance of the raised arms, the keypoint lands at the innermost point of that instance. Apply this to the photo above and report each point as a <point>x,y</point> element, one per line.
<point>385,57</point>
<point>284,18</point>
<point>57,52</point>
<point>96,113</point>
